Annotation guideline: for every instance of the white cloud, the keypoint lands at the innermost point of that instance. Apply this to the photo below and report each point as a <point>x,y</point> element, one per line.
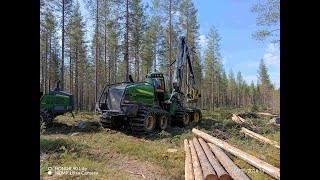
<point>275,78</point>
<point>226,58</point>
<point>224,61</point>
<point>272,55</point>
<point>271,48</point>
<point>271,59</point>
<point>202,40</point>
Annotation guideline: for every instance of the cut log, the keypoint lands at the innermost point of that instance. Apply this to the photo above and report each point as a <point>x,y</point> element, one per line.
<point>188,162</point>
<point>241,119</point>
<point>236,119</point>
<point>259,137</point>
<point>261,165</point>
<point>207,170</point>
<point>195,162</point>
<point>235,172</point>
<point>267,114</point>
<point>221,173</point>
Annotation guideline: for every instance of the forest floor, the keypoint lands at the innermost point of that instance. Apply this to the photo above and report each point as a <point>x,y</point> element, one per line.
<point>111,154</point>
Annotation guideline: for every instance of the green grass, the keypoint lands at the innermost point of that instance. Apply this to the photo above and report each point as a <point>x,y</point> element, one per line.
<point>102,151</point>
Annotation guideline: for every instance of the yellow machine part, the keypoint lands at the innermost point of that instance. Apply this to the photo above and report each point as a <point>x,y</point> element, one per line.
<point>194,95</point>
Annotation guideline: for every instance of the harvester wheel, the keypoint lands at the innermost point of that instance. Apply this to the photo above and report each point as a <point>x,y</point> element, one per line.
<point>196,117</point>
<point>116,122</point>
<point>150,122</point>
<point>178,118</point>
<point>144,122</point>
<point>163,122</point>
<point>186,119</point>
<point>47,118</point>
<point>106,122</point>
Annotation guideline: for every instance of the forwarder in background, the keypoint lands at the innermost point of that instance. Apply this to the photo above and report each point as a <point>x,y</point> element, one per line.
<point>53,104</point>
<point>152,103</point>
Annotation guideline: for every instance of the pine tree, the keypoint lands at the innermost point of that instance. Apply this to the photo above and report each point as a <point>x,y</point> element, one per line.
<point>224,88</point>
<point>50,33</point>
<point>189,27</point>
<point>212,54</point>
<point>252,94</point>
<point>232,87</point>
<point>168,8</point>
<point>264,84</point>
<point>239,89</point>
<point>138,22</point>
<point>147,52</point>
<point>77,44</point>
<point>268,19</point>
<point>105,15</point>
<point>64,7</point>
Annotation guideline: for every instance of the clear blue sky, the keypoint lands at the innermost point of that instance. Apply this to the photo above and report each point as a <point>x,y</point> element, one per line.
<point>235,24</point>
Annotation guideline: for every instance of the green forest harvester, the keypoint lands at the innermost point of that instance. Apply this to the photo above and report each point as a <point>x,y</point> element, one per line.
<point>152,103</point>
<point>53,104</point>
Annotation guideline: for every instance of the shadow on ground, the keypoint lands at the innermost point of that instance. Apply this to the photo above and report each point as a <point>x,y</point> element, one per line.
<point>61,128</point>
<point>92,127</point>
<point>174,130</point>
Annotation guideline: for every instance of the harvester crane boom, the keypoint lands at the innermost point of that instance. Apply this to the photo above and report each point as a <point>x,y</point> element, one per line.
<point>184,55</point>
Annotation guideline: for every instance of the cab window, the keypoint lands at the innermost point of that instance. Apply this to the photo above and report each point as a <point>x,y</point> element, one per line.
<point>158,84</point>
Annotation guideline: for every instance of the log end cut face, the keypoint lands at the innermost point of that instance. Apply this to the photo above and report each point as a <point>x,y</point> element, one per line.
<point>211,177</point>
<point>225,177</point>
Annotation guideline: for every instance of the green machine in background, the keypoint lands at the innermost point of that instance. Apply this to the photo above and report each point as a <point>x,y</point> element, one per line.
<point>53,104</point>
<point>152,103</point>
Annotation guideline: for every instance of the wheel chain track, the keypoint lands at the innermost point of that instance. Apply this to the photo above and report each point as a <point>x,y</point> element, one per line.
<point>137,123</point>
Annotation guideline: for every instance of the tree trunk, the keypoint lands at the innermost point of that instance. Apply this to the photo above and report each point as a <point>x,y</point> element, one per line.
<point>62,49</point>
<point>115,64</point>
<point>212,90</point>
<point>97,60</point>
<point>265,167</point>
<point>71,74</point>
<point>109,72</point>
<point>81,84</point>
<point>155,54</point>
<point>76,100</point>
<point>170,47</point>
<point>218,98</point>
<point>42,74</point>
<point>88,96</point>
<point>45,68</point>
<point>126,54</point>
<point>136,64</point>
<point>186,65</point>
<point>49,65</point>
<point>105,48</point>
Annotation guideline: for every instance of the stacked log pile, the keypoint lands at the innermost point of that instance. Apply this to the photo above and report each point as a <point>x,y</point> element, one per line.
<point>205,159</point>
